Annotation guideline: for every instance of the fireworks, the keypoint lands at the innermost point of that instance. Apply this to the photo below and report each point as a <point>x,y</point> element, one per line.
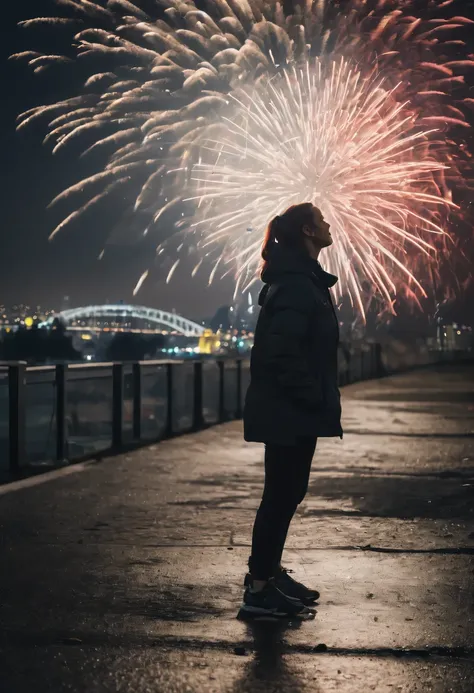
<point>219,120</point>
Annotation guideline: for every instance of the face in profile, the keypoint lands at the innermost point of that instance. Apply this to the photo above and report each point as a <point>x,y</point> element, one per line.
<point>319,232</point>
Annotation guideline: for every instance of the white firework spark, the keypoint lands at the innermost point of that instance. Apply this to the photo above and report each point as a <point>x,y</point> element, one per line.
<point>243,110</point>
<point>323,134</point>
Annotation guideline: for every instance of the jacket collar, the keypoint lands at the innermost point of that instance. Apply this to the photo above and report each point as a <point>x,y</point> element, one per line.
<point>324,277</point>
<point>283,262</point>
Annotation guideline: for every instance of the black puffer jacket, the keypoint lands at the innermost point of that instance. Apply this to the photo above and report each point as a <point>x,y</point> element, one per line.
<point>293,390</point>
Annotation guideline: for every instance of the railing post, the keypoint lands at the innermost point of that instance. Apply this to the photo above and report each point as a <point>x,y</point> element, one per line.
<point>198,420</point>
<point>359,364</point>
<point>349,378</point>
<point>221,390</point>
<point>373,359</point>
<point>17,415</point>
<point>137,401</point>
<point>379,367</point>
<point>169,400</point>
<point>117,405</point>
<point>61,433</point>
<point>343,373</point>
<point>238,411</point>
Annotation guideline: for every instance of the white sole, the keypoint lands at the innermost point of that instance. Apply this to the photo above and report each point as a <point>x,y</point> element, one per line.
<point>258,611</point>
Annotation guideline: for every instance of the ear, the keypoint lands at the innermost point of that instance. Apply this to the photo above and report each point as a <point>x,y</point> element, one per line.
<point>307,230</point>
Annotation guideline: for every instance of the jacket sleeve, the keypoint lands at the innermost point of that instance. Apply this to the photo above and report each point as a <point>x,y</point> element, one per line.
<point>289,321</point>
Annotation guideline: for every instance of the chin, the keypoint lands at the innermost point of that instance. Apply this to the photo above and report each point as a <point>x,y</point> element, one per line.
<point>329,242</point>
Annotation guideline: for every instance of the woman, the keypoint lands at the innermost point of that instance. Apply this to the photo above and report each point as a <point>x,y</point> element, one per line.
<point>293,396</point>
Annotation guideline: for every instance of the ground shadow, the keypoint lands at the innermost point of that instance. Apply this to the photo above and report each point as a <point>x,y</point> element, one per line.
<point>407,497</point>
<point>267,671</point>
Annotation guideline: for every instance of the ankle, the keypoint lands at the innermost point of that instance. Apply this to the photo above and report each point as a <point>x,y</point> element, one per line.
<point>258,585</point>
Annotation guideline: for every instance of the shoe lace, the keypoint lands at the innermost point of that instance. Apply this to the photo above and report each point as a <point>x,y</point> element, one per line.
<point>286,570</point>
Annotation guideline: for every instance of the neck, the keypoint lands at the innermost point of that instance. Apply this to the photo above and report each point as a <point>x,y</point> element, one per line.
<point>312,249</point>
<point>314,253</point>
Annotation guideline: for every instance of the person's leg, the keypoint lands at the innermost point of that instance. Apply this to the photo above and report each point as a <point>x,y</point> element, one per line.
<point>305,454</point>
<point>307,447</point>
<point>286,480</point>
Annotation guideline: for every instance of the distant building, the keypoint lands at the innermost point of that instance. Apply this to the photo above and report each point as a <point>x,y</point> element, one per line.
<point>209,343</point>
<point>455,337</point>
<point>222,319</point>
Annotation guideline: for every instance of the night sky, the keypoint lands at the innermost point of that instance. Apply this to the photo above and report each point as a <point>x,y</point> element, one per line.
<point>35,271</point>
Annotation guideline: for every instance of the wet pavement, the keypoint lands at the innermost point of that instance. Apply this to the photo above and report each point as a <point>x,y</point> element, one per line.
<point>126,575</point>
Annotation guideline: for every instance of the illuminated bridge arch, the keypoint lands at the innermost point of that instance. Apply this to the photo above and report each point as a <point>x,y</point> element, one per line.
<point>112,312</point>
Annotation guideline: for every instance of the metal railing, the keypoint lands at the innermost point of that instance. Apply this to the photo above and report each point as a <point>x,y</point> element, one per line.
<point>53,415</point>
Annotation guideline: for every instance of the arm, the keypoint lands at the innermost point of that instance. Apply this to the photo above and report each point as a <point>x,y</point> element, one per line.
<point>289,319</point>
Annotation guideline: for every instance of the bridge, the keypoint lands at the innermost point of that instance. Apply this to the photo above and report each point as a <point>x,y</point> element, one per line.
<point>117,313</point>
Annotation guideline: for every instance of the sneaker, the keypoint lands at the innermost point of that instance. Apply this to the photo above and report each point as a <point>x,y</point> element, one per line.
<point>289,586</point>
<point>271,602</point>
<point>248,582</point>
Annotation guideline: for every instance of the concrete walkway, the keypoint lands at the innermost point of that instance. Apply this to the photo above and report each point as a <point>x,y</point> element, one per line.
<point>126,576</point>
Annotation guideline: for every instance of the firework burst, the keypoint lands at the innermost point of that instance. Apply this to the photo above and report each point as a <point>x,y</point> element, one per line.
<point>221,119</point>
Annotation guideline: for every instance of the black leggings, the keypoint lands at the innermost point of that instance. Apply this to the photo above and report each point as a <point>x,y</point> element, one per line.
<point>287,469</point>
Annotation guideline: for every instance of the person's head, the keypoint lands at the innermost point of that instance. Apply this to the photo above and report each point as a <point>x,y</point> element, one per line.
<point>301,227</point>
